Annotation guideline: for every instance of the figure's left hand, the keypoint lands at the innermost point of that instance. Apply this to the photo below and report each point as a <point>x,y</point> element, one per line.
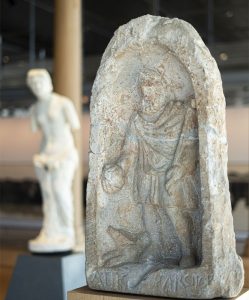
<point>39,160</point>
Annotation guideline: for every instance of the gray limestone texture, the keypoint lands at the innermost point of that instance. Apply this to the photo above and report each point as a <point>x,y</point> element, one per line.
<point>159,216</point>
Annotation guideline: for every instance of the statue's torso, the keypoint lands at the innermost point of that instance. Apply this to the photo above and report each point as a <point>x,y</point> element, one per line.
<point>51,119</point>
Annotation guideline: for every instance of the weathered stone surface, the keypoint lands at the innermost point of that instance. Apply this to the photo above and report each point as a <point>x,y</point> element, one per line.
<point>158,210</point>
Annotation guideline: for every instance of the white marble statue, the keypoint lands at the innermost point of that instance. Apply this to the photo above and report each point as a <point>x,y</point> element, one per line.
<point>56,163</point>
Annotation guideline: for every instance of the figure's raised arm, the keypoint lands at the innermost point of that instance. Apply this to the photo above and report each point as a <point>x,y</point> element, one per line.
<point>71,115</point>
<point>34,124</point>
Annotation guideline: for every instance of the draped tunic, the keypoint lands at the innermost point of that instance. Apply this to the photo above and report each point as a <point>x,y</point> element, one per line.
<point>168,138</point>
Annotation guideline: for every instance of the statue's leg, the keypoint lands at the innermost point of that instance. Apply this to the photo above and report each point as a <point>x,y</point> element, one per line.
<point>183,224</point>
<point>48,201</point>
<point>62,188</point>
<point>152,223</point>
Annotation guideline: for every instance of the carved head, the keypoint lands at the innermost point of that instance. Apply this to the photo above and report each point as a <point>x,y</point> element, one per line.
<point>40,83</point>
<point>152,87</point>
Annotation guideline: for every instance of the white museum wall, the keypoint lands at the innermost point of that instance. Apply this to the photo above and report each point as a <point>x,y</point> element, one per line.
<point>238,138</point>
<point>18,144</point>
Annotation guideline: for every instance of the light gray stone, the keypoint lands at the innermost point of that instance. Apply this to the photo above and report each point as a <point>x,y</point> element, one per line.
<point>159,216</point>
<point>55,164</point>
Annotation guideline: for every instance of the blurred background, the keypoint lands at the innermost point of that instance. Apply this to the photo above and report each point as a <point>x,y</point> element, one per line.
<point>27,40</point>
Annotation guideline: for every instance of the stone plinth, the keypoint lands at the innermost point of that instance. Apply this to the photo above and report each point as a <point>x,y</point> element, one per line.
<point>39,277</point>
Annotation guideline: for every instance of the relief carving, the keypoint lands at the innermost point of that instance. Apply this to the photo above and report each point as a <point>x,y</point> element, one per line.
<point>161,146</point>
<point>157,180</point>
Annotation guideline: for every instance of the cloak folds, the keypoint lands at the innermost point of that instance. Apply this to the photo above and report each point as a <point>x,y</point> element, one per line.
<point>168,139</point>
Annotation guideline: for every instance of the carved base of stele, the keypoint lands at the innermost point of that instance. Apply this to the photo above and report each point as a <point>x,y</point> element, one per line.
<point>85,293</point>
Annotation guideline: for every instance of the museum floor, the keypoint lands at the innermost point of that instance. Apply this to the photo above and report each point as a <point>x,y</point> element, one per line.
<point>17,226</point>
<point>14,243</point>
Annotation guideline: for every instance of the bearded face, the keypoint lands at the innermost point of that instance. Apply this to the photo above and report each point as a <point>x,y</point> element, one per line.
<point>153,96</point>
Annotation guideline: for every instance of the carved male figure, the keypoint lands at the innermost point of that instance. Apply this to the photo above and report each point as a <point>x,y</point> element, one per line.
<point>55,165</point>
<point>158,182</point>
<point>161,144</point>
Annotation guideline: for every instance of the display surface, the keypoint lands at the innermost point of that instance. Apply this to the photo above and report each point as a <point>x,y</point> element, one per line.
<point>84,293</point>
<point>158,207</point>
<point>55,165</point>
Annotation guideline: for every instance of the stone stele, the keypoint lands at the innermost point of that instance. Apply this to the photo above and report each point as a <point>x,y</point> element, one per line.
<point>159,216</point>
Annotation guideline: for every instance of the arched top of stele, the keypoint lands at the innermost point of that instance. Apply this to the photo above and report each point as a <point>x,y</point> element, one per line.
<point>173,49</point>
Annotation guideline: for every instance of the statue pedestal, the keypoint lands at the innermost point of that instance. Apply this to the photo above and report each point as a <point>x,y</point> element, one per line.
<point>84,293</point>
<point>50,277</point>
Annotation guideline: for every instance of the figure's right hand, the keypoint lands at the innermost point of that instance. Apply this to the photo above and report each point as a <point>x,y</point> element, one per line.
<point>112,178</point>
<point>45,161</point>
<point>39,160</point>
